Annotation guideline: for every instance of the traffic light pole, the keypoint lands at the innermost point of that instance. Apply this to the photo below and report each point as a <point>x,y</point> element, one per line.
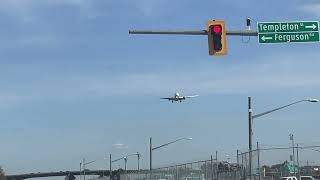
<point>188,32</point>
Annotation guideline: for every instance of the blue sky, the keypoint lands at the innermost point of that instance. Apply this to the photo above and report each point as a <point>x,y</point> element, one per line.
<point>74,83</point>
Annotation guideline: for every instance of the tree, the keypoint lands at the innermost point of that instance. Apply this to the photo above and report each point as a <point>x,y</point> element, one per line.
<point>2,175</point>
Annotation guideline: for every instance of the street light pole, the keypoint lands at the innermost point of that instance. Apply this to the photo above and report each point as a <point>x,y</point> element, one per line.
<point>84,167</point>
<point>252,117</point>
<point>150,158</point>
<point>166,144</point>
<point>138,155</point>
<point>125,158</point>
<point>110,173</point>
<point>250,135</point>
<point>293,156</point>
<point>80,171</point>
<point>125,167</point>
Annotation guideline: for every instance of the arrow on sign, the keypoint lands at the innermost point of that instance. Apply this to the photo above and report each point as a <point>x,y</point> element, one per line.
<point>313,26</point>
<point>264,38</point>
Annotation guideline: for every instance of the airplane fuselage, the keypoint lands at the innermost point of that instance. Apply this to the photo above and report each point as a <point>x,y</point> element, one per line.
<point>177,98</point>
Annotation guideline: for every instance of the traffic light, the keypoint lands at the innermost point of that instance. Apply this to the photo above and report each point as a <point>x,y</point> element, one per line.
<point>217,38</point>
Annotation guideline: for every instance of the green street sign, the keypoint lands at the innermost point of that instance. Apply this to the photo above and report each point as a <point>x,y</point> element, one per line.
<point>286,32</point>
<point>289,37</point>
<point>303,26</point>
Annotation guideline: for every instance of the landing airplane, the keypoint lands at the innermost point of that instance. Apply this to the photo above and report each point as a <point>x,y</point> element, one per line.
<point>179,98</point>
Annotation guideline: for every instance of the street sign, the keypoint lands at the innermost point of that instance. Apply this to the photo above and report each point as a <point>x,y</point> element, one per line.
<point>289,37</point>
<point>286,32</point>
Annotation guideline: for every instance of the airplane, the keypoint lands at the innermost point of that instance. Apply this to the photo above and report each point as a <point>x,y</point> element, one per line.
<point>179,98</point>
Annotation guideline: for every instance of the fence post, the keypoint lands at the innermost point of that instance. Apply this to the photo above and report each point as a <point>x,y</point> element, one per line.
<point>211,168</point>
<point>217,170</point>
<point>258,151</point>
<point>237,156</point>
<point>199,172</point>
<point>245,167</point>
<point>177,172</point>
<point>298,161</point>
<point>237,169</point>
<point>205,170</point>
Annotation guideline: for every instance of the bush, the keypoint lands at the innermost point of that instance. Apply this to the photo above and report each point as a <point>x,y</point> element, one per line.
<point>2,175</point>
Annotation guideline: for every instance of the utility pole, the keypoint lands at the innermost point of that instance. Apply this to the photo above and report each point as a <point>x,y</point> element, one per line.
<point>138,156</point>
<point>298,161</point>
<point>211,167</point>
<point>110,173</point>
<point>217,165</point>
<point>258,151</point>
<point>250,135</point>
<point>84,169</point>
<point>150,158</point>
<point>80,171</point>
<point>293,156</point>
<point>125,167</point>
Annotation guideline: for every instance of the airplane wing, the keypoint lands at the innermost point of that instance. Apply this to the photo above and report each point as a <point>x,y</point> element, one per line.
<point>191,96</point>
<point>168,98</point>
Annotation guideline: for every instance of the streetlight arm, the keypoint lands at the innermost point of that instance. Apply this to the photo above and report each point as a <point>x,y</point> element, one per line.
<point>90,162</point>
<point>276,109</point>
<point>118,159</point>
<point>136,154</point>
<point>170,143</point>
<point>124,157</point>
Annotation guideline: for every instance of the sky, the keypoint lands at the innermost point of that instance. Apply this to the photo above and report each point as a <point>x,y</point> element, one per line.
<point>75,84</point>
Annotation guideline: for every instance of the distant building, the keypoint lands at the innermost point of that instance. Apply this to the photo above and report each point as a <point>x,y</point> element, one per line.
<point>285,169</point>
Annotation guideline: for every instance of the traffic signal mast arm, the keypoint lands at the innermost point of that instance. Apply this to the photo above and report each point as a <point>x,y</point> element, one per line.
<point>216,33</point>
<point>199,32</point>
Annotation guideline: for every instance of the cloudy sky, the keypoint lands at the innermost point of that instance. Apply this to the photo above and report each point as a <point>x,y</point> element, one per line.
<point>75,84</point>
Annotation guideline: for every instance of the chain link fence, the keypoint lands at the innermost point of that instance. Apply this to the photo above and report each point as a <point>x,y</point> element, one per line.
<point>268,163</point>
<point>200,170</point>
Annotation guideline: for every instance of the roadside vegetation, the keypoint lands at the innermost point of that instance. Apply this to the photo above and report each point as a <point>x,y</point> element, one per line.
<point>2,175</point>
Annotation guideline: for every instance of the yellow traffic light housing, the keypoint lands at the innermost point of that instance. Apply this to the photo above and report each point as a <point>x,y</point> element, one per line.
<point>217,38</point>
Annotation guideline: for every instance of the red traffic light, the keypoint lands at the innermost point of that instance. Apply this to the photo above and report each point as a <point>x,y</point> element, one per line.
<point>217,28</point>
<point>217,38</point>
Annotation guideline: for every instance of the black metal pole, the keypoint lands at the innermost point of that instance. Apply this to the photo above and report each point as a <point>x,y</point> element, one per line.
<point>110,166</point>
<point>237,156</point>
<point>217,165</point>
<point>258,151</point>
<point>250,135</point>
<point>138,161</point>
<point>84,169</point>
<point>293,156</point>
<point>80,171</point>
<point>211,167</point>
<point>150,158</point>
<point>298,161</point>
<point>125,167</point>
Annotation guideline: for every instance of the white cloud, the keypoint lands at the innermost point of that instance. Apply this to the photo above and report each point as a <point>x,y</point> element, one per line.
<point>120,146</point>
